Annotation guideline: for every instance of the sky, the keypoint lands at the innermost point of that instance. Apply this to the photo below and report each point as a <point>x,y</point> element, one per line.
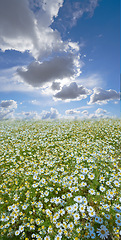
<point>59,59</point>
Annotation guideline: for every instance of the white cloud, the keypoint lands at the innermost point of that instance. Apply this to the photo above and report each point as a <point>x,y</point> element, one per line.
<point>22,29</point>
<point>52,114</point>
<point>100,110</point>
<point>72,112</point>
<point>101,96</point>
<point>7,109</point>
<point>72,92</point>
<point>37,73</point>
<point>98,113</point>
<point>51,7</point>
<point>85,112</point>
<point>9,81</point>
<point>73,10</point>
<point>8,104</point>
<point>28,116</point>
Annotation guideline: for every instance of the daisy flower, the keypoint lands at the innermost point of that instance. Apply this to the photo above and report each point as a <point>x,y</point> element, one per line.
<point>78,199</point>
<point>102,232</point>
<point>17,233</point>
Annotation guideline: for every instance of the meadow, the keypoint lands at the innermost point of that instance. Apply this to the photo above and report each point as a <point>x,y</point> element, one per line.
<point>60,180</point>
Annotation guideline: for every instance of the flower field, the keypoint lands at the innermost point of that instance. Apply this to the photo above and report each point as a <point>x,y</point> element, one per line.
<point>60,180</point>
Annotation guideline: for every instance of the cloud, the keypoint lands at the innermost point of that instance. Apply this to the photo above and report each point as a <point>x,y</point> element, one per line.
<point>100,110</point>
<point>72,92</point>
<point>25,26</point>
<point>8,104</point>
<point>52,114</point>
<point>55,86</point>
<point>51,7</point>
<point>37,73</point>
<point>72,112</point>
<point>73,10</point>
<point>28,116</point>
<point>7,108</point>
<point>98,113</point>
<point>101,96</point>
<point>91,81</point>
<point>85,112</point>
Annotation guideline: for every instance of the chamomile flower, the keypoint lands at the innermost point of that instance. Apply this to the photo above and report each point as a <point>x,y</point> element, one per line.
<point>57,237</point>
<point>82,208</point>
<point>17,233</point>
<point>102,232</point>
<point>78,199</point>
<point>92,191</point>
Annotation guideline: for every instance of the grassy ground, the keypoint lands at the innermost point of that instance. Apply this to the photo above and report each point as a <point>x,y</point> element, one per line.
<point>60,180</point>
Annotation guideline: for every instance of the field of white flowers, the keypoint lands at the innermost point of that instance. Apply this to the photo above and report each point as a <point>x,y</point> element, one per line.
<point>60,180</point>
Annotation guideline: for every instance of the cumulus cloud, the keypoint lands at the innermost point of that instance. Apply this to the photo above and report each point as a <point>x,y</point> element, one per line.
<point>100,110</point>
<point>52,114</point>
<point>101,96</point>
<point>37,73</point>
<point>98,113</point>
<point>72,112</point>
<point>72,92</point>
<point>25,26</point>
<point>7,109</point>
<point>8,104</point>
<point>85,112</point>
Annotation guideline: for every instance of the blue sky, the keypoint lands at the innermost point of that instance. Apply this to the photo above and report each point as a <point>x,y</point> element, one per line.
<point>59,59</point>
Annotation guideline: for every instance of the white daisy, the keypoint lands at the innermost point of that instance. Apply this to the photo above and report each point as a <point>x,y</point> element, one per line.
<point>102,232</point>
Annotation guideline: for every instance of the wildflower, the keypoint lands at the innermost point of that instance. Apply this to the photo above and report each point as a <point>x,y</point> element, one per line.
<point>118,222</point>
<point>60,231</point>
<point>92,235</point>
<point>62,212</point>
<point>102,189</point>
<point>47,238</point>
<point>21,228</point>
<point>98,220</point>
<point>58,237</point>
<point>57,200</point>
<point>91,176</point>
<point>9,208</point>
<point>24,207</point>
<point>116,183</point>
<point>103,232</point>
<point>58,225</point>
<point>17,233</point>
<point>92,191</point>
<point>76,216</point>
<point>69,209</point>
<point>71,225</point>
<point>81,208</point>
<point>78,199</point>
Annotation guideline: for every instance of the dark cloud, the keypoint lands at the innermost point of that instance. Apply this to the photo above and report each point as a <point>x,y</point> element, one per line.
<point>37,74</point>
<point>7,108</point>
<point>8,104</point>
<point>72,92</point>
<point>102,96</point>
<point>55,86</point>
